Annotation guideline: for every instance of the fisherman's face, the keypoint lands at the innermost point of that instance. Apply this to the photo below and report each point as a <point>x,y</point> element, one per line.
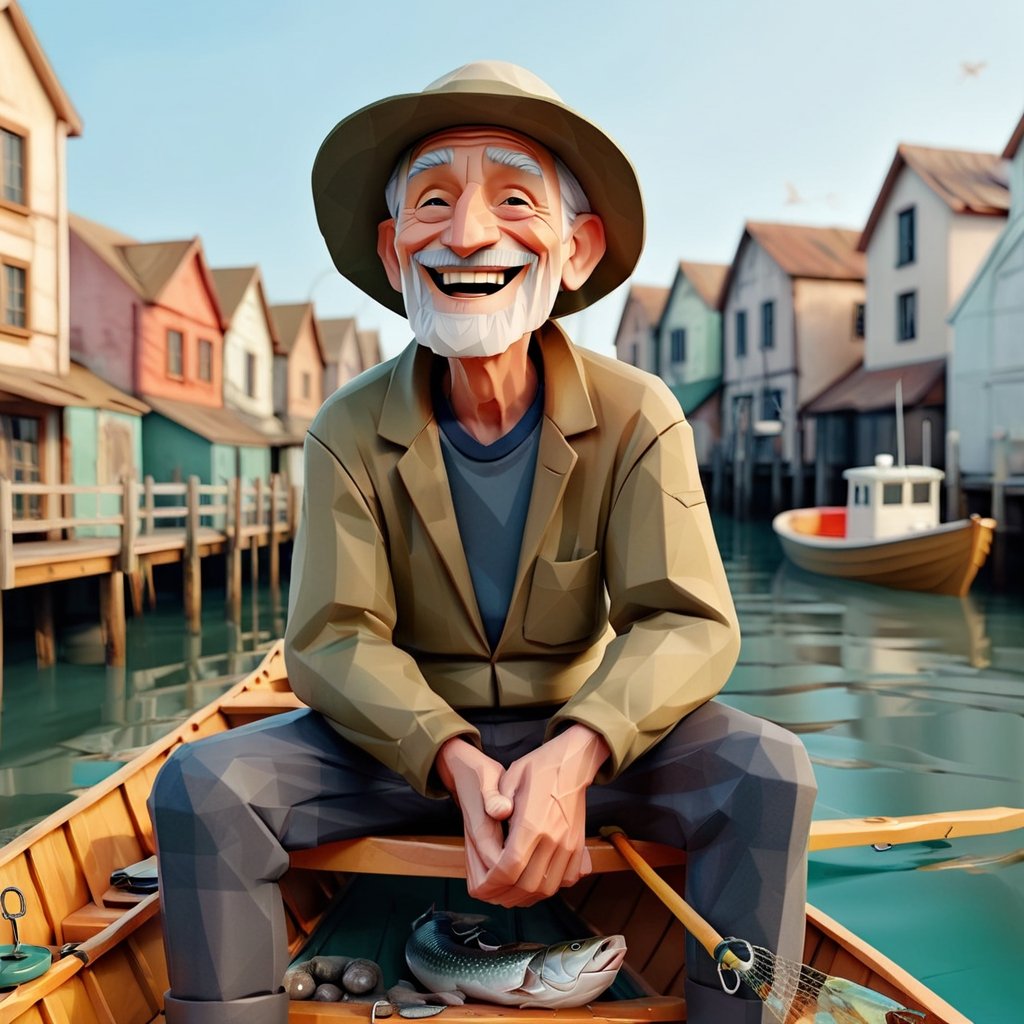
<point>478,242</point>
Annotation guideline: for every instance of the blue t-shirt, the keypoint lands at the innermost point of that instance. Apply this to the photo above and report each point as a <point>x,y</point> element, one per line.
<point>491,486</point>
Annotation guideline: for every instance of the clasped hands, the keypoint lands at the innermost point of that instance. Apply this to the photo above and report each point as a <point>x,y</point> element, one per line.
<point>542,796</point>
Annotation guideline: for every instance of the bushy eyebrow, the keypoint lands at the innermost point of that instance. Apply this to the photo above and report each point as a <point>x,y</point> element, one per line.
<point>434,158</point>
<point>512,158</point>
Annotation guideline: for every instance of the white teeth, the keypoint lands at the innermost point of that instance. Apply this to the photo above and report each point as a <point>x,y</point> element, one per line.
<point>473,277</point>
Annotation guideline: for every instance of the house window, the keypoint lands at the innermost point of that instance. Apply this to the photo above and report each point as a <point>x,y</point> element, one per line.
<point>678,338</point>
<point>921,493</point>
<point>307,385</point>
<point>205,359</point>
<point>906,316</point>
<point>175,343</point>
<point>771,404</point>
<point>20,461</point>
<point>250,374</point>
<point>892,494</point>
<point>12,167</point>
<point>906,241</point>
<point>741,333</point>
<point>859,319</point>
<point>14,295</point>
<point>767,325</point>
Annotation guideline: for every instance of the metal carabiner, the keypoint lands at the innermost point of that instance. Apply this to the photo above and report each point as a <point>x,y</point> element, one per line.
<point>12,916</point>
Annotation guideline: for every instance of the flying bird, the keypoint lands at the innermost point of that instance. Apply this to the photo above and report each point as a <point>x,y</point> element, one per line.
<point>972,69</point>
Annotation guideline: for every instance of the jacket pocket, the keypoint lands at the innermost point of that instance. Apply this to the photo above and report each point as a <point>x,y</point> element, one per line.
<point>690,498</point>
<point>562,607</point>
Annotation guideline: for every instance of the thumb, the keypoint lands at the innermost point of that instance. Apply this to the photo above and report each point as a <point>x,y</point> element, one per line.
<point>497,806</point>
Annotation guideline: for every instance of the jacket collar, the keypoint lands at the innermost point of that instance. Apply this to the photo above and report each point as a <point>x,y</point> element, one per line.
<point>407,407</point>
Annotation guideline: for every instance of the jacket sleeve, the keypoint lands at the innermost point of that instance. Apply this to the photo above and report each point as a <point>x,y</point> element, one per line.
<point>677,637</point>
<point>338,648</point>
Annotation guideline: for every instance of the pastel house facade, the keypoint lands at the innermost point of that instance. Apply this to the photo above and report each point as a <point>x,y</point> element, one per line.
<point>937,215</point>
<point>299,365</point>
<point>342,354</point>
<point>59,423</point>
<point>146,318</point>
<point>636,338</point>
<point>986,367</point>
<point>790,306</point>
<point>688,350</point>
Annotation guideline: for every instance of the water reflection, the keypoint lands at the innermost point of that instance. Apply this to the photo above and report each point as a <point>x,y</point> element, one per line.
<point>67,727</point>
<point>908,703</point>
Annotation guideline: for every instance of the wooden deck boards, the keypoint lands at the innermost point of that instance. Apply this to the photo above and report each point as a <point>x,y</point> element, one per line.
<point>50,560</point>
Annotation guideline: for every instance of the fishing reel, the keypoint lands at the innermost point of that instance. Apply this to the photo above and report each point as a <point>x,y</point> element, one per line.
<point>19,963</point>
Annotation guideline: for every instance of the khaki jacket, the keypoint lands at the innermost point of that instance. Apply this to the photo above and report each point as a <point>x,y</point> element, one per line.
<point>620,617</point>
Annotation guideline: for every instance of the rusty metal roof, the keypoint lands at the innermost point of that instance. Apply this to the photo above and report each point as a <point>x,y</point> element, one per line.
<point>965,180</point>
<point>706,278</point>
<point>289,319</point>
<point>651,298</point>
<point>146,267</point>
<point>79,387</point>
<point>220,426</point>
<point>863,390</point>
<point>1015,140</point>
<point>231,283</point>
<point>802,250</point>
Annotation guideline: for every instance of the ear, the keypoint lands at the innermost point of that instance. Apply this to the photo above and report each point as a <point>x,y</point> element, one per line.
<point>586,247</point>
<point>387,254</point>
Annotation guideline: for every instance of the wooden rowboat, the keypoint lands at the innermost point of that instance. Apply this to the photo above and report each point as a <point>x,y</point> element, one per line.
<point>116,974</point>
<point>941,560</point>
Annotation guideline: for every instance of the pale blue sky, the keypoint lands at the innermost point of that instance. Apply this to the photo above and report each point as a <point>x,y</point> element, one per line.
<point>203,116</point>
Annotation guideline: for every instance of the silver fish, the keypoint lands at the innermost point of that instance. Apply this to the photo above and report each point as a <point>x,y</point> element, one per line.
<point>450,955</point>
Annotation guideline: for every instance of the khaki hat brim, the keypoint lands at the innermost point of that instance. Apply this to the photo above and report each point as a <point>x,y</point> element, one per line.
<point>356,159</point>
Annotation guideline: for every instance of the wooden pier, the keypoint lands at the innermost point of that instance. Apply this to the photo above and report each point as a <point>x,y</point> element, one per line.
<point>153,524</point>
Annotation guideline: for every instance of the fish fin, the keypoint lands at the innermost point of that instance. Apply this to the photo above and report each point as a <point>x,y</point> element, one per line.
<point>426,916</point>
<point>453,998</point>
<point>465,921</point>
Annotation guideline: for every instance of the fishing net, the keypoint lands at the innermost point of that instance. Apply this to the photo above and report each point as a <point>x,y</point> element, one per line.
<point>797,994</point>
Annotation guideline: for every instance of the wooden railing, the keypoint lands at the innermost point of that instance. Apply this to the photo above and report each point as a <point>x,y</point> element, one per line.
<point>144,510</point>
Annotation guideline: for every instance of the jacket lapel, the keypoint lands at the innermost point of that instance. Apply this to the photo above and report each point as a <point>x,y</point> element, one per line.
<point>426,482</point>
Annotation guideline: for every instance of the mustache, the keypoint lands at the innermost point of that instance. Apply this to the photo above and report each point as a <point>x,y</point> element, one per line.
<point>434,259</point>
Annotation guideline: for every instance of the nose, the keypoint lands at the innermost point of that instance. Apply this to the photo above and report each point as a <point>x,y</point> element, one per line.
<point>473,225</point>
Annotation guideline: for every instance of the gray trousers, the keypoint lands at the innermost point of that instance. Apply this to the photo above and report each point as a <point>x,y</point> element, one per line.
<point>734,791</point>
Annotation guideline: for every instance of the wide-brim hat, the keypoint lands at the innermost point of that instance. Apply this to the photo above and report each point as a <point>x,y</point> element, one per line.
<point>356,159</point>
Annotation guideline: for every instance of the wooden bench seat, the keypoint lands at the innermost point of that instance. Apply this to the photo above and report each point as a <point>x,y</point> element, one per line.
<point>444,856</point>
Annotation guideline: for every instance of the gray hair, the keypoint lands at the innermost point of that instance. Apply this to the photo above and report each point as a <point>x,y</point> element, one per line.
<point>573,198</point>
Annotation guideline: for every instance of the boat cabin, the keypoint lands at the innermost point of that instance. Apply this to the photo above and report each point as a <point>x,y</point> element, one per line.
<point>884,500</point>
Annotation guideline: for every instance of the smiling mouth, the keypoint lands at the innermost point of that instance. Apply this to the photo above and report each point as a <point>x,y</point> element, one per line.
<point>459,283</point>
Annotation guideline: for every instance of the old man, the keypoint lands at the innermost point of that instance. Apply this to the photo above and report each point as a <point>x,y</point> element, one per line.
<point>508,612</point>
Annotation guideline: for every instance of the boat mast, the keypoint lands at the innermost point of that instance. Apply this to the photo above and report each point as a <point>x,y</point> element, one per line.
<point>900,444</point>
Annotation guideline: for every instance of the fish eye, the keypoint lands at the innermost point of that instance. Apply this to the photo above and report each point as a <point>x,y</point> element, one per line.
<point>576,945</point>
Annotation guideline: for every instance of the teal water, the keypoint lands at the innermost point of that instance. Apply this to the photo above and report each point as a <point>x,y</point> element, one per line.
<point>908,704</point>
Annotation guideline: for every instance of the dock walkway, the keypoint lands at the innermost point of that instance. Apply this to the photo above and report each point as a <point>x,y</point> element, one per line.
<point>119,532</point>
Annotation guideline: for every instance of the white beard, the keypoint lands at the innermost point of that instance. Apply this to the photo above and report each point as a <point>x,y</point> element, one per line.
<point>471,335</point>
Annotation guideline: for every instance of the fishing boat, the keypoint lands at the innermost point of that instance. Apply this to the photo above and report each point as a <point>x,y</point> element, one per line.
<point>108,957</point>
<point>888,533</point>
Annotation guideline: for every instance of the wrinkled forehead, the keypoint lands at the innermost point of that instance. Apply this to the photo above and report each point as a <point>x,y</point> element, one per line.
<point>484,136</point>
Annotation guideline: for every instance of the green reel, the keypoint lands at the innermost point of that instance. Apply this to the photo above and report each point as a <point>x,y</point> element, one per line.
<point>19,963</point>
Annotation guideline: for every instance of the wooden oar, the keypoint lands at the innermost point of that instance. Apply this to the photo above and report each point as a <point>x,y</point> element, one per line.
<point>791,992</point>
<point>917,828</point>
